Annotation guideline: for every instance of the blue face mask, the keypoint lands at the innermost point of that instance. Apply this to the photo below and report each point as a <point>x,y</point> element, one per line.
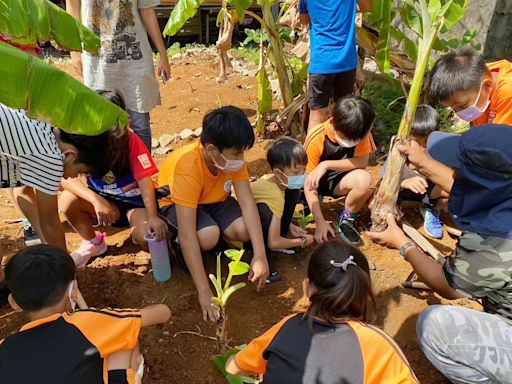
<point>294,182</point>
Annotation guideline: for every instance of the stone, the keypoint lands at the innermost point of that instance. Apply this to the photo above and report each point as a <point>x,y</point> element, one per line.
<point>166,139</point>
<point>198,131</point>
<point>141,258</point>
<point>186,133</point>
<point>163,150</point>
<point>154,143</point>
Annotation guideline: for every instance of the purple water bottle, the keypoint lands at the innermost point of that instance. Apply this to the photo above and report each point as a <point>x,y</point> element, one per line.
<point>159,258</point>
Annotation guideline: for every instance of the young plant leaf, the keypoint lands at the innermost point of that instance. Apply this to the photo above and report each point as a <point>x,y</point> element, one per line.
<point>181,13</point>
<point>241,6</point>
<point>234,254</point>
<point>454,14</point>
<point>219,268</point>
<point>382,12</point>
<point>216,300</point>
<point>237,268</point>
<point>264,92</point>
<point>216,284</point>
<point>230,291</point>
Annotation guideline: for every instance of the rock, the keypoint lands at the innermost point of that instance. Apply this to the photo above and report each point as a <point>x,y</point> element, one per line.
<point>198,131</point>
<point>154,143</point>
<point>186,133</point>
<point>163,150</point>
<point>244,72</point>
<point>141,258</point>
<point>166,139</point>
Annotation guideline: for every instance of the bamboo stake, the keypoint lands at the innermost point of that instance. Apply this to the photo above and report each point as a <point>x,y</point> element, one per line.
<point>423,243</point>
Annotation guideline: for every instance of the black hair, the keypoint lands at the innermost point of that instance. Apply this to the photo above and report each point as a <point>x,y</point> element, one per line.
<point>38,276</point>
<point>286,152</point>
<point>426,121</point>
<point>457,71</point>
<point>119,137</point>
<point>340,295</point>
<point>226,128</point>
<point>353,116</point>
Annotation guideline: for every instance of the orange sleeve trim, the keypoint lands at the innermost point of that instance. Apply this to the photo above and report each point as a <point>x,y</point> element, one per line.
<point>365,147</point>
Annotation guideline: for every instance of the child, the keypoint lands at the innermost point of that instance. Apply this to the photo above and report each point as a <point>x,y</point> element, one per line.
<point>478,93</point>
<point>276,196</point>
<point>125,196</point>
<point>338,153</point>
<point>125,59</point>
<point>331,342</point>
<point>198,179</point>
<point>58,345</point>
<point>37,156</point>
<point>414,186</point>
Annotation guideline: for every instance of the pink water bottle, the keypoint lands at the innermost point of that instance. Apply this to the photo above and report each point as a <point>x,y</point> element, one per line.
<point>160,262</point>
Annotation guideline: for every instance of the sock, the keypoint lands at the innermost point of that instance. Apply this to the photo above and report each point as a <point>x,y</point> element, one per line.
<point>96,240</point>
<point>347,214</point>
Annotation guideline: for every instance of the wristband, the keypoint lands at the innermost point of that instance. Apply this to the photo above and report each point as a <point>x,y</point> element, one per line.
<point>404,248</point>
<point>304,240</point>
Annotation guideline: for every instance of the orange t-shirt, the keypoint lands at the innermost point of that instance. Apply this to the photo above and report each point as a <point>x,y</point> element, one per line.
<point>500,109</point>
<point>191,183</point>
<point>321,145</point>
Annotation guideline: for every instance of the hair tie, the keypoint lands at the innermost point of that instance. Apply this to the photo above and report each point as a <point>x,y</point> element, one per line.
<point>343,265</point>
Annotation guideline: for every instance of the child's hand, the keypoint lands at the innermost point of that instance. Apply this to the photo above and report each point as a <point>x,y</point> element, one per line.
<point>392,237</point>
<point>310,240</point>
<point>322,231</point>
<point>157,226</point>
<point>163,68</point>
<point>209,310</point>
<point>296,231</point>
<point>106,213</point>
<point>259,271</point>
<point>313,179</point>
<point>416,184</point>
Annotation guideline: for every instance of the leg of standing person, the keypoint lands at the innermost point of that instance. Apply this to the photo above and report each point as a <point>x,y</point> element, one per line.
<point>465,345</point>
<point>140,123</point>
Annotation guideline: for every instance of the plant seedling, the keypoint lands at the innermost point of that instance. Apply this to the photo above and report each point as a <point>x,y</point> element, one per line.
<point>220,362</point>
<point>224,292</point>
<point>302,219</point>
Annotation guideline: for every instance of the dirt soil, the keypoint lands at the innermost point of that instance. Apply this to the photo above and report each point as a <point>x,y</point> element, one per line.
<point>123,277</point>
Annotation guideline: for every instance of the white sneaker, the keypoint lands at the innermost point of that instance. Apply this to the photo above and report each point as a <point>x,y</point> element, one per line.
<point>87,250</point>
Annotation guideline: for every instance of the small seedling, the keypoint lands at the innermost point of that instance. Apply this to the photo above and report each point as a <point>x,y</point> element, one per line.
<point>224,292</point>
<point>302,219</point>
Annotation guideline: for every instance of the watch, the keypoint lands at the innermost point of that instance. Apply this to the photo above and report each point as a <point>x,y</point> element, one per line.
<point>404,249</point>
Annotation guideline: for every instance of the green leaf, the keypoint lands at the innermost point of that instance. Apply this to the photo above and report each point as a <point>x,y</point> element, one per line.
<point>49,94</point>
<point>469,36</point>
<point>237,268</point>
<point>219,268</point>
<point>412,19</point>
<point>454,14</point>
<point>434,6</point>
<point>182,11</point>
<point>264,92</point>
<point>241,6</point>
<point>297,215</point>
<point>381,12</point>
<point>216,284</point>
<point>221,360</point>
<point>411,49</point>
<point>234,254</point>
<point>217,301</point>
<point>26,22</point>
<point>230,291</point>
<point>220,17</point>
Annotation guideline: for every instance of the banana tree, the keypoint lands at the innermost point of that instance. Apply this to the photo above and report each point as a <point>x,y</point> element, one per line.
<point>427,19</point>
<point>224,291</point>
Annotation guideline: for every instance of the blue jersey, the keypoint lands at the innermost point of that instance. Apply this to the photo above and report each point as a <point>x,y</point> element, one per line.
<point>332,35</point>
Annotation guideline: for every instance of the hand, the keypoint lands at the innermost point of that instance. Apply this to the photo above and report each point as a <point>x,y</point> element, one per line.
<point>417,156</point>
<point>392,237</point>
<point>163,66</point>
<point>210,310</point>
<point>322,231</point>
<point>259,271</point>
<point>313,179</point>
<point>76,60</point>
<point>310,240</point>
<point>296,231</point>
<point>416,184</point>
<point>106,213</point>
<point>157,226</point>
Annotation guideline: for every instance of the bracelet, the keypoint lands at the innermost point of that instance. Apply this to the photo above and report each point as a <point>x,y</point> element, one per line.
<point>404,248</point>
<point>304,240</point>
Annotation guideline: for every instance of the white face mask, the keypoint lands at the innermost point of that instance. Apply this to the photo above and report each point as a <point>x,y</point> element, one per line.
<point>71,287</point>
<point>472,113</point>
<point>231,166</point>
<point>347,143</point>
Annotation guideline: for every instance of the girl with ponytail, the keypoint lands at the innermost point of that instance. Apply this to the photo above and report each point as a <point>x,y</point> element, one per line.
<point>331,342</point>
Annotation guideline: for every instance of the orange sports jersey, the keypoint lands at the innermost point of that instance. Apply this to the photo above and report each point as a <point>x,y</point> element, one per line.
<point>189,181</point>
<point>500,109</point>
<point>321,145</point>
<point>69,347</point>
<point>351,352</point>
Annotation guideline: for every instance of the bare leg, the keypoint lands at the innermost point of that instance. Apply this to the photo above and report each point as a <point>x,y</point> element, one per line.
<point>317,116</point>
<point>79,213</point>
<point>25,200</point>
<point>138,221</point>
<point>237,231</point>
<point>125,359</point>
<point>356,185</point>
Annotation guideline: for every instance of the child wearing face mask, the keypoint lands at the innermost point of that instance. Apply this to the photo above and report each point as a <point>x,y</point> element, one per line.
<point>59,344</point>
<point>197,180</point>
<point>277,194</point>
<point>479,93</point>
<point>338,153</point>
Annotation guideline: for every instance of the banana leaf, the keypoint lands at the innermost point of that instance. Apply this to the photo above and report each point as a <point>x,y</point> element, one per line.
<point>381,9</point>
<point>26,22</point>
<point>241,6</point>
<point>182,11</point>
<point>51,95</point>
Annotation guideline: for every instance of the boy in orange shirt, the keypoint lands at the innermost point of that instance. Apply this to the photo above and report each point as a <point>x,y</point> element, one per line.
<point>479,93</point>
<point>198,179</point>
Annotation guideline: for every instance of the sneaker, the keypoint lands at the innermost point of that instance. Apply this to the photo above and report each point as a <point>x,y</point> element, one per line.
<point>30,236</point>
<point>432,225</point>
<point>88,250</point>
<point>347,231</point>
<point>274,277</point>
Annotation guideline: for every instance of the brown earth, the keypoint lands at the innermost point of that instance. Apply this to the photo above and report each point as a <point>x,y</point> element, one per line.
<point>122,279</point>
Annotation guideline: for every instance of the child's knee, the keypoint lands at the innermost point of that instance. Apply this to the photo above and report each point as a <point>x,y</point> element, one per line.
<point>67,202</point>
<point>361,180</point>
<point>237,231</point>
<point>208,237</point>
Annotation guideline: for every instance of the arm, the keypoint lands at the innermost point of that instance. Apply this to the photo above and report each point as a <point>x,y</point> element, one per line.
<point>79,189</point>
<point>364,5</point>
<point>276,241</point>
<point>233,368</point>
<point>346,165</point>
<point>73,8</point>
<point>150,21</point>
<point>155,223</point>
<point>323,228</point>
<point>259,266</point>
<point>47,207</point>
<point>155,314</point>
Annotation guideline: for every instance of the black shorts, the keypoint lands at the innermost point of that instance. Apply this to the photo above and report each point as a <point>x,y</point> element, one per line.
<point>408,195</point>
<point>220,215</point>
<point>120,376</point>
<point>329,182</point>
<point>324,88</point>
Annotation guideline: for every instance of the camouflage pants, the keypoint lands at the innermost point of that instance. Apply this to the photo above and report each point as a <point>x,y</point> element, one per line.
<point>465,345</point>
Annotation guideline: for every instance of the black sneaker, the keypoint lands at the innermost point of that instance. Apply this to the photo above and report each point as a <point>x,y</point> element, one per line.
<point>348,232</point>
<point>274,277</point>
<point>30,236</point>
